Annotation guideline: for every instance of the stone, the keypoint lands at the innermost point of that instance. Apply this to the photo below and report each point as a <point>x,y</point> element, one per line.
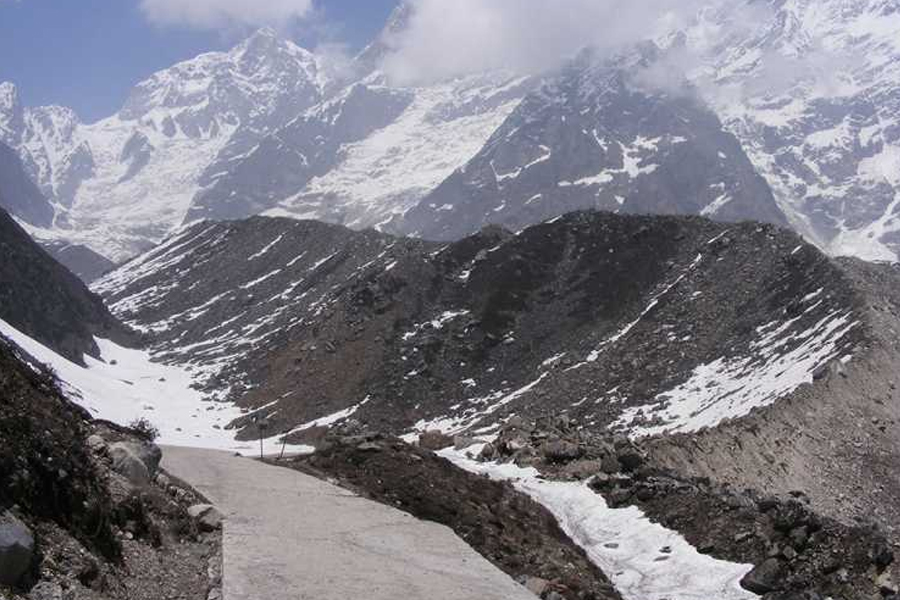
<point>461,442</point>
<point>764,578</point>
<point>129,465</point>
<point>207,516</point>
<point>537,585</point>
<point>16,549</point>
<point>631,459</point>
<point>583,469</point>
<point>561,451</point>
<point>96,443</point>
<point>489,452</point>
<point>610,464</point>
<point>149,453</point>
<point>886,585</point>
<point>434,440</point>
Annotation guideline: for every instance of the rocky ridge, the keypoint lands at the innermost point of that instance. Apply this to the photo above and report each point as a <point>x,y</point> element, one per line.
<point>303,322</point>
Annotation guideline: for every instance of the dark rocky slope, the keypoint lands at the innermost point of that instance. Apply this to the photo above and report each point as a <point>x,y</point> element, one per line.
<point>44,300</point>
<point>615,319</point>
<point>837,440</point>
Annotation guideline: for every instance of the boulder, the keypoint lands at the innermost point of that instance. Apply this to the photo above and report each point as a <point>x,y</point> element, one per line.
<point>461,442</point>
<point>96,443</point>
<point>207,516</point>
<point>537,585</point>
<point>16,549</point>
<point>127,463</point>
<point>764,578</point>
<point>561,451</point>
<point>583,469</point>
<point>434,440</point>
<point>149,453</point>
<point>886,585</point>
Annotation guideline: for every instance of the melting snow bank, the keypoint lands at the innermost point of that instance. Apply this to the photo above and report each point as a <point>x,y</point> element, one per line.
<point>127,385</point>
<point>644,560</point>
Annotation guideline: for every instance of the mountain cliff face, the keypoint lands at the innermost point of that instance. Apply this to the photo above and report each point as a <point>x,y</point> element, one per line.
<point>813,96</point>
<point>42,299</point>
<point>18,194</point>
<point>595,137</point>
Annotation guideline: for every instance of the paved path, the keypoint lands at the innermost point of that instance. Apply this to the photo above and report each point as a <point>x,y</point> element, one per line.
<point>291,536</point>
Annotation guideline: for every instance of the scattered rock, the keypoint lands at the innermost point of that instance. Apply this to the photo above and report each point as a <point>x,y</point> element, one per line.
<point>16,549</point>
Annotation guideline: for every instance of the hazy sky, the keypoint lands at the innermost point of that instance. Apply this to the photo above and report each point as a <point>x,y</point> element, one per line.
<point>86,54</point>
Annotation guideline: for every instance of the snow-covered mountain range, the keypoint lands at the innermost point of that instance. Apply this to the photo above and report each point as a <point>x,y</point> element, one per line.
<point>121,184</point>
<point>791,120</point>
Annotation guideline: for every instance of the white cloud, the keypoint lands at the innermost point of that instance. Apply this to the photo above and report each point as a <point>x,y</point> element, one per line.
<point>450,38</point>
<point>453,38</point>
<point>218,14</point>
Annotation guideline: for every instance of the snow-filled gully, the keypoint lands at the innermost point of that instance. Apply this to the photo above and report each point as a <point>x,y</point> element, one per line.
<point>126,385</point>
<point>644,560</point>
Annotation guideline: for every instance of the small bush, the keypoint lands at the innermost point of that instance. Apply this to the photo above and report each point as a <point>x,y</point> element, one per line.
<point>145,429</point>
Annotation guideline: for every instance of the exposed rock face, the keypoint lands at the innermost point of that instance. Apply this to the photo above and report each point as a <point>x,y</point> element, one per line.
<point>18,194</point>
<point>813,96</point>
<point>42,299</point>
<point>595,137</point>
<point>284,163</point>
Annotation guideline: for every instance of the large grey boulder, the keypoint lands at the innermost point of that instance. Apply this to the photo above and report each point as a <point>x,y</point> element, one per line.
<point>126,461</point>
<point>764,578</point>
<point>16,549</point>
<point>207,516</point>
